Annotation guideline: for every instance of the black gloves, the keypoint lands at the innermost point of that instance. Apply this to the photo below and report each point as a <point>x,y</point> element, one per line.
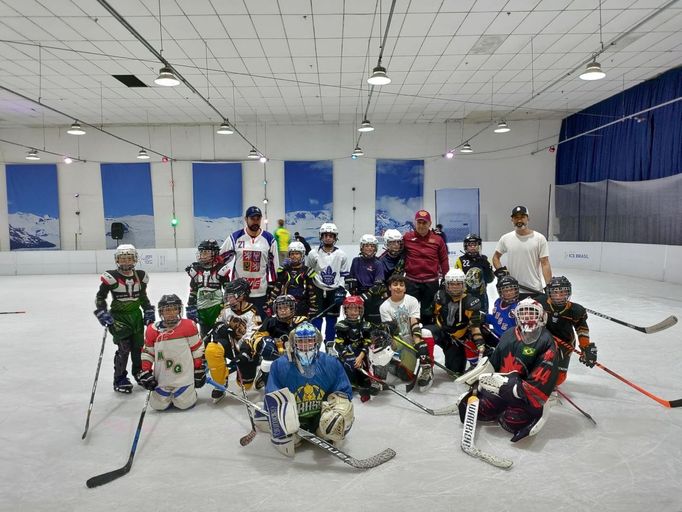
<point>147,380</point>
<point>104,317</point>
<point>589,355</point>
<point>199,377</point>
<point>501,272</point>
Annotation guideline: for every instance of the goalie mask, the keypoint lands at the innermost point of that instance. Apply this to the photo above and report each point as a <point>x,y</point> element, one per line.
<point>284,308</point>
<point>508,289</point>
<point>380,350</point>
<point>530,319</point>
<point>393,242</point>
<point>353,308</point>
<point>170,310</point>
<point>559,289</point>
<point>207,252</point>
<point>305,345</point>
<point>454,283</point>
<point>125,257</point>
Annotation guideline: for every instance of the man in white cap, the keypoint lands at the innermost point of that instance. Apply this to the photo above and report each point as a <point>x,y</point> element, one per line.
<point>527,254</point>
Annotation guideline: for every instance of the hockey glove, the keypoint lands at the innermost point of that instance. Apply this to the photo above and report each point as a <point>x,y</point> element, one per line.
<point>512,391</point>
<point>149,316</point>
<point>146,380</point>
<point>192,313</point>
<point>589,355</point>
<point>199,377</point>
<point>104,317</point>
<point>339,295</point>
<point>501,272</point>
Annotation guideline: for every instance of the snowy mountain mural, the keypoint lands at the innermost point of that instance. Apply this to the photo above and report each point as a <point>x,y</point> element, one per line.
<point>137,230</point>
<point>32,206</point>
<point>30,231</point>
<point>308,197</point>
<point>217,215</point>
<point>307,223</point>
<point>218,229</point>
<point>399,191</point>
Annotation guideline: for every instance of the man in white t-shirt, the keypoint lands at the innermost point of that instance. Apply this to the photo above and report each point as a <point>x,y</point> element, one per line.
<point>527,253</point>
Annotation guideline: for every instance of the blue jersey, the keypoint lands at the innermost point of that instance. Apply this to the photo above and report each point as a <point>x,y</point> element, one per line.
<point>501,318</point>
<point>310,392</point>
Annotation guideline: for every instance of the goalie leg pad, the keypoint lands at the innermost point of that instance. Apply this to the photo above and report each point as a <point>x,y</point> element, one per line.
<point>283,420</point>
<point>336,418</point>
<point>471,377</point>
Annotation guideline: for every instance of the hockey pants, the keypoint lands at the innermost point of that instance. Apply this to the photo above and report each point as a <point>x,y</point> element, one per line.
<point>182,398</point>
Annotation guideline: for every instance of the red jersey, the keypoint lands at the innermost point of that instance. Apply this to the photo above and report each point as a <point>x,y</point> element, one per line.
<point>426,257</point>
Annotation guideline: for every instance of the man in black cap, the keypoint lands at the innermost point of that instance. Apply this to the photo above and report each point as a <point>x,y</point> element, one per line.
<point>252,254</point>
<point>527,253</point>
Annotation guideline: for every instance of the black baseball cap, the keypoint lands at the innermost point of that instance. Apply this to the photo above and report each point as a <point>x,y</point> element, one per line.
<point>519,210</point>
<point>252,211</point>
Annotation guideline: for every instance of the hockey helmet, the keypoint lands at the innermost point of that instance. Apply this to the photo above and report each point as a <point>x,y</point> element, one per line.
<point>559,289</point>
<point>353,307</point>
<point>296,252</point>
<point>170,310</point>
<point>472,243</point>
<point>329,227</point>
<point>530,319</point>
<point>125,257</point>
<point>236,291</point>
<point>207,250</point>
<point>306,342</point>
<point>454,282</point>
<point>393,241</point>
<point>508,289</point>
<point>284,307</point>
<point>371,242</point>
<point>380,350</point>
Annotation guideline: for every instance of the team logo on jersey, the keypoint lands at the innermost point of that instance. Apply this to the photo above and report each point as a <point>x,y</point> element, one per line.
<point>528,351</point>
<point>328,276</point>
<point>251,261</point>
<point>309,399</point>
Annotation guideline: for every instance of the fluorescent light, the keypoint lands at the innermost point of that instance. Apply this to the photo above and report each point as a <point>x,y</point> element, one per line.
<point>225,129</point>
<point>142,155</point>
<point>366,126</point>
<point>166,78</point>
<point>32,155</point>
<point>379,77</point>
<point>75,129</point>
<point>593,72</point>
<point>253,154</point>
<point>466,148</point>
<point>502,127</point>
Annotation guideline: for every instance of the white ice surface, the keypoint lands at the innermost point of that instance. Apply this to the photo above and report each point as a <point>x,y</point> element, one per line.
<point>191,460</point>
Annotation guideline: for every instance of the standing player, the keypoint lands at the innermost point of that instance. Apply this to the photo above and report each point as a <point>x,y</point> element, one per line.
<point>367,274</point>
<point>251,253</point>
<point>296,279</point>
<point>330,265</point>
<point>128,288</point>
<point>172,358</point>
<point>207,276</point>
<point>393,258</point>
<point>316,384</point>
<point>472,258</point>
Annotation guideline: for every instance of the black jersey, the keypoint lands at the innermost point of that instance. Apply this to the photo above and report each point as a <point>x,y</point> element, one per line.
<point>562,323</point>
<point>456,317</point>
<point>354,335</point>
<point>297,282</point>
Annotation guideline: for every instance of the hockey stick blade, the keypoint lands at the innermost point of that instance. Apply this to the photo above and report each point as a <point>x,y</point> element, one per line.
<point>247,438</point>
<point>105,478</point>
<point>486,457</point>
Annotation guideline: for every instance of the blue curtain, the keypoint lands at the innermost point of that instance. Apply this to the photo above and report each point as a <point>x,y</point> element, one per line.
<point>643,148</point>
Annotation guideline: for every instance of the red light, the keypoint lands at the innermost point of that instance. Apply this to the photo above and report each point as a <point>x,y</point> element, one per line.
<point>164,159</point>
<point>552,149</point>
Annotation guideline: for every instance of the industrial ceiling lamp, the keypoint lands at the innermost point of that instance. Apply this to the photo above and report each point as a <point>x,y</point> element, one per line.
<point>166,78</point>
<point>357,152</point>
<point>379,76</point>
<point>75,129</point>
<point>449,155</point>
<point>142,154</point>
<point>366,126</point>
<point>592,72</point>
<point>32,154</point>
<point>225,128</point>
<point>262,159</point>
<point>466,148</point>
<point>502,127</point>
<point>253,154</point>
<point>68,160</point>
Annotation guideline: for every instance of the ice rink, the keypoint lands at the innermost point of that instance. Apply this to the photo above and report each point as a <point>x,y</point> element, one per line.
<point>192,460</point>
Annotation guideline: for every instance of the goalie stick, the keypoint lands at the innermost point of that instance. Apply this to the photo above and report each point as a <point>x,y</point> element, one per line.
<point>368,463</point>
<point>468,434</point>
<point>94,384</point>
<point>105,478</point>
<point>443,411</point>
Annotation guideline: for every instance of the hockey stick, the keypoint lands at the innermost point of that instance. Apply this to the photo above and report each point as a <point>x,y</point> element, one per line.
<point>469,433</point>
<point>11,312</point>
<point>436,363</point>
<point>246,439</point>
<point>565,397</point>
<point>651,329</point>
<point>105,478</point>
<point>443,411</point>
<point>323,312</point>
<point>94,384</point>
<point>664,403</point>
<point>368,463</point>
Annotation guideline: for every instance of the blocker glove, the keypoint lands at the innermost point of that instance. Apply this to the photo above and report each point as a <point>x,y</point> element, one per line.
<point>104,317</point>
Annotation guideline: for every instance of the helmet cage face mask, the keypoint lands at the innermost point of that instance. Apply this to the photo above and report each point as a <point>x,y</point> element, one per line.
<point>353,312</point>
<point>509,293</point>
<point>559,291</point>
<point>455,288</point>
<point>125,257</point>
<point>306,342</point>
<point>170,314</point>
<point>295,257</point>
<point>530,319</point>
<point>284,307</point>
<point>205,256</point>
<point>472,247</point>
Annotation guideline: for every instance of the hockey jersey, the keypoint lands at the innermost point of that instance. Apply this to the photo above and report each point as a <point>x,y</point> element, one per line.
<point>248,314</point>
<point>330,267</point>
<point>253,258</point>
<point>173,354</point>
<point>502,317</point>
<point>206,285</point>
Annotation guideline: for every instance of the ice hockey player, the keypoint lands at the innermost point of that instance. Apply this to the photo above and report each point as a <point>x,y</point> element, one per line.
<point>268,342</point>
<point>238,316</point>
<point>567,319</point>
<point>296,279</point>
<point>401,314</point>
<point>366,278</point>
<point>331,267</point>
<point>515,384</point>
<point>207,276</point>
<point>129,312</point>
<point>172,358</point>
<point>502,316</point>
<point>472,258</point>
<point>458,320</point>
<point>318,387</point>
<point>393,258</point>
<point>352,344</point>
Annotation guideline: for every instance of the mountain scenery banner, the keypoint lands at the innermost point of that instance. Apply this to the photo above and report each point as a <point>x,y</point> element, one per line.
<point>457,209</point>
<point>308,197</point>
<point>32,206</point>
<point>399,194</point>
<point>217,192</point>
<point>127,195</point>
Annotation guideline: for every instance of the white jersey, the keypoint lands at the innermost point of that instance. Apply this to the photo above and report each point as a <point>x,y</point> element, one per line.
<point>249,315</point>
<point>172,353</point>
<point>330,267</point>
<point>523,257</point>
<point>254,258</point>
<point>402,312</point>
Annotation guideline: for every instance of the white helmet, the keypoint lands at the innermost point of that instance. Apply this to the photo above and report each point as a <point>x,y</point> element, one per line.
<point>454,283</point>
<point>392,235</point>
<point>125,250</point>
<point>296,247</point>
<point>455,275</point>
<point>369,240</point>
<point>329,227</point>
<point>530,318</point>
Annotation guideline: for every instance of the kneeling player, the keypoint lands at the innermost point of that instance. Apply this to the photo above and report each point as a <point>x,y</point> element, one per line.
<point>316,384</point>
<point>530,364</point>
<point>171,358</point>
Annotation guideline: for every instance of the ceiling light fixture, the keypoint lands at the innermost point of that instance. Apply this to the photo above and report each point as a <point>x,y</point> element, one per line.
<point>32,155</point>
<point>449,155</point>
<point>253,154</point>
<point>225,128</point>
<point>357,152</point>
<point>379,76</point>
<point>263,159</point>
<point>366,126</point>
<point>68,160</point>
<point>75,129</point>
<point>166,78</point>
<point>466,148</point>
<point>502,127</point>
<point>142,154</point>
<point>592,72</point>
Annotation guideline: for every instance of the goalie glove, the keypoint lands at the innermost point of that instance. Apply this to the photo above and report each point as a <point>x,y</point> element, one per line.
<point>336,418</point>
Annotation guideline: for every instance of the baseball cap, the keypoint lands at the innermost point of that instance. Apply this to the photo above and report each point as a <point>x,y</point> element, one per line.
<point>519,210</point>
<point>422,215</point>
<point>252,211</point>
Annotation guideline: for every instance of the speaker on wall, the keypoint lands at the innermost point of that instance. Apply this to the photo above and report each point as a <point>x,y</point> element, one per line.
<point>117,229</point>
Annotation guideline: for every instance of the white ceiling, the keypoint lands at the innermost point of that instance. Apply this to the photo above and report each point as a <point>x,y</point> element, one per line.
<point>305,61</point>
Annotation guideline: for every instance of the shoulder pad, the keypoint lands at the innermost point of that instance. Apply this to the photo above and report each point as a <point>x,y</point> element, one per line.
<point>142,276</point>
<point>191,270</point>
<point>224,271</point>
<point>108,277</point>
